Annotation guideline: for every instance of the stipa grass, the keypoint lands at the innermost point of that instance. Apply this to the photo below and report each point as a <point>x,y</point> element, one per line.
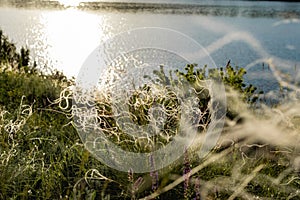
<point>42,157</point>
<point>257,157</point>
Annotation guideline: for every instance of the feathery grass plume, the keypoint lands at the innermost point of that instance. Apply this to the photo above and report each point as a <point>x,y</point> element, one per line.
<point>41,156</point>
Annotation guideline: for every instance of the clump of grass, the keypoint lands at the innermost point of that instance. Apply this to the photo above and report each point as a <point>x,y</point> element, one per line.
<point>41,156</point>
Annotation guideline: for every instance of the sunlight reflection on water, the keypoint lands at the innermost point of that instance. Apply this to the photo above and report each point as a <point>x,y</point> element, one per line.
<point>71,35</point>
<point>63,39</point>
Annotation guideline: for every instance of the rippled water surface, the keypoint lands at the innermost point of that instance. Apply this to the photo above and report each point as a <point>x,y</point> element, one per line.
<point>249,34</point>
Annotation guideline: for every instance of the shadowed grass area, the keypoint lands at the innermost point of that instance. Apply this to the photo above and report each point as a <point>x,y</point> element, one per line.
<point>42,157</point>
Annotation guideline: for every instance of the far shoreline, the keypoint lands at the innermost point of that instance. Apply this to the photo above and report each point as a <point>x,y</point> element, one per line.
<point>204,9</point>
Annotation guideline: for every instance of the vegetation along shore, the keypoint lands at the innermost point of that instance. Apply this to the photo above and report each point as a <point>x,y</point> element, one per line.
<point>42,157</point>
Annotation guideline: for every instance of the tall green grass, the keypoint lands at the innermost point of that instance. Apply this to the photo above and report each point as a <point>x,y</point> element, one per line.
<point>42,157</point>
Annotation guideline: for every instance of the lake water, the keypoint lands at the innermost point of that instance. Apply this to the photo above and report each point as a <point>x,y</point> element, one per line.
<point>264,37</point>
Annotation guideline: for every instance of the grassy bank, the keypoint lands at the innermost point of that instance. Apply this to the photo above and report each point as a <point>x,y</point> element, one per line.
<point>42,157</point>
